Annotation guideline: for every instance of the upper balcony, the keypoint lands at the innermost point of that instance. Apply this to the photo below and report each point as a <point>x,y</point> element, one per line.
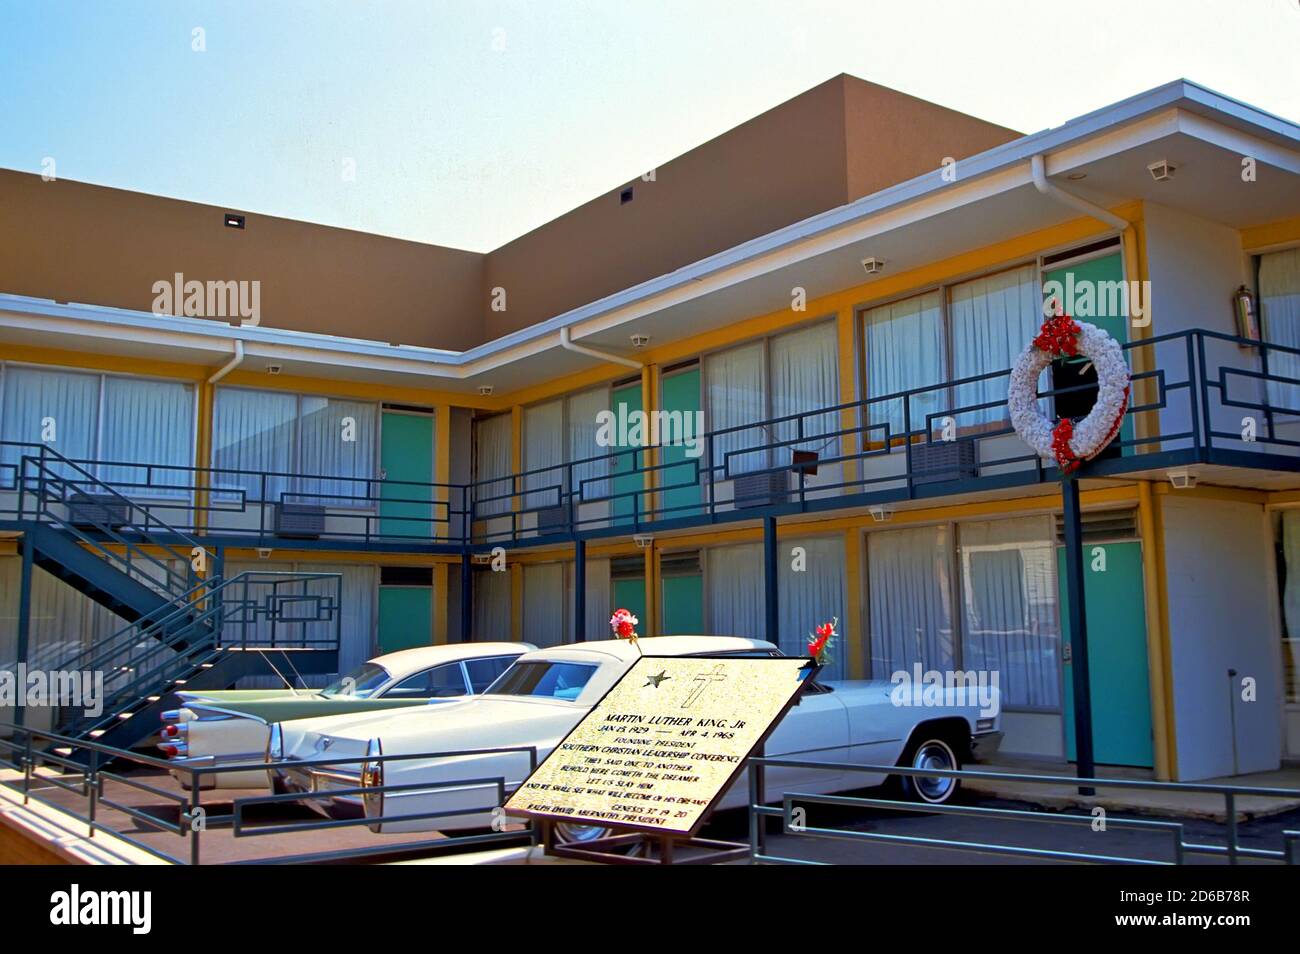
<point>1226,408</point>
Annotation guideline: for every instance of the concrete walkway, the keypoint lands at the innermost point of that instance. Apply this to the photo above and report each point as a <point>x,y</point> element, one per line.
<point>1162,802</point>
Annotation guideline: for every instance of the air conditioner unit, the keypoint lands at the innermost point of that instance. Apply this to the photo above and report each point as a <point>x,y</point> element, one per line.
<point>299,521</point>
<point>762,489</point>
<point>98,510</point>
<point>552,519</point>
<point>944,460</point>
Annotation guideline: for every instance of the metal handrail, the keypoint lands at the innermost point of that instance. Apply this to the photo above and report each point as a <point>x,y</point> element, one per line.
<point>29,748</point>
<point>1232,850</point>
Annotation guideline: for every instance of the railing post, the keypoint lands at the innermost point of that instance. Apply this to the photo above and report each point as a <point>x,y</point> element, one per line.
<point>1078,621</point>
<point>579,590</point>
<point>92,784</point>
<point>770,583</point>
<point>24,617</point>
<point>1230,806</point>
<point>466,598</point>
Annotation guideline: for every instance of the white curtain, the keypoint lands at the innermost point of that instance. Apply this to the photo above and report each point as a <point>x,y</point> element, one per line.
<point>582,411</point>
<point>358,625</point>
<point>148,422</point>
<point>543,439</point>
<point>492,461</point>
<point>735,395</point>
<point>1279,304</point>
<point>544,609</point>
<point>733,598</point>
<point>904,349</point>
<point>491,605</point>
<point>1010,617</point>
<point>993,319</point>
<point>1291,603</point>
<point>805,379</point>
<point>909,600</point>
<point>599,594</point>
<point>337,460</point>
<point>38,403</point>
<point>813,595</point>
<point>253,430</point>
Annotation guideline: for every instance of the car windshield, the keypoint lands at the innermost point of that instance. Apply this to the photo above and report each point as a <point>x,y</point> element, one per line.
<point>551,680</point>
<point>358,684</point>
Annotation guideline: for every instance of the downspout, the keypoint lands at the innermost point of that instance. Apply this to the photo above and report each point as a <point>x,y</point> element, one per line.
<point>568,344</point>
<point>230,365</point>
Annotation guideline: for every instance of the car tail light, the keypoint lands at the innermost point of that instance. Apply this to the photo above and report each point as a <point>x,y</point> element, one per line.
<point>372,777</point>
<point>171,715</point>
<point>174,750</point>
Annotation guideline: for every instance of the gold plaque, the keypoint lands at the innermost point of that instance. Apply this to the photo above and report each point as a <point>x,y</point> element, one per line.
<point>663,744</point>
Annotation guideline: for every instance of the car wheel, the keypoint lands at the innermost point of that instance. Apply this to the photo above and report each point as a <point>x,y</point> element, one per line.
<point>570,834</point>
<point>930,752</point>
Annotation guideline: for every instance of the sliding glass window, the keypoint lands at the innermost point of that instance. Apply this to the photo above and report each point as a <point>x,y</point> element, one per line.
<point>963,330</point>
<point>306,448</point>
<point>117,422</point>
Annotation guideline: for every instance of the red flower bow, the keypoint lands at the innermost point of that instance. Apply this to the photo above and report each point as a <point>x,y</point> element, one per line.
<point>818,646</point>
<point>1059,337</point>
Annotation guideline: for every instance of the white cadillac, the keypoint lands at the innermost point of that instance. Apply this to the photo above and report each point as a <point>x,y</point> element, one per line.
<point>226,727</point>
<point>544,694</point>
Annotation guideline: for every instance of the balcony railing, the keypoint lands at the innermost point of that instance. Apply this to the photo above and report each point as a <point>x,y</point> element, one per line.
<point>1198,397</point>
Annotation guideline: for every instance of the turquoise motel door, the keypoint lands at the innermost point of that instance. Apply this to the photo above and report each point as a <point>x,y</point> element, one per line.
<point>680,394</point>
<point>1117,654</point>
<point>405,617</point>
<point>627,479</point>
<point>406,454</point>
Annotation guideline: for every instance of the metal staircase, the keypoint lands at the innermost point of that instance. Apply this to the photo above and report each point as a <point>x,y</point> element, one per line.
<point>182,628</point>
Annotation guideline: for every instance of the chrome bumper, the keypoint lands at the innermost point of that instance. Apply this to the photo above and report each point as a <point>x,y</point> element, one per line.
<point>982,746</point>
<point>314,781</point>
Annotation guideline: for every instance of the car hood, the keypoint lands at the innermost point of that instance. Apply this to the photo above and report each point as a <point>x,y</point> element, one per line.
<point>478,723</point>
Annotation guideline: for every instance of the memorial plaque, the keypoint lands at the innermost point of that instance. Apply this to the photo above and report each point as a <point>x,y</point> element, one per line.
<point>663,744</point>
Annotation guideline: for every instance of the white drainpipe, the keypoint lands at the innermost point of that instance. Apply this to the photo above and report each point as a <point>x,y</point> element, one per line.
<point>568,345</point>
<point>1083,205</point>
<point>229,365</point>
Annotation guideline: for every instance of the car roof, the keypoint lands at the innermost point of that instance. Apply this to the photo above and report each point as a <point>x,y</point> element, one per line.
<point>407,661</point>
<point>652,646</point>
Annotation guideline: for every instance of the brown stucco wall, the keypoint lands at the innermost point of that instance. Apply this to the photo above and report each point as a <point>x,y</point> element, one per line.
<point>891,137</point>
<point>83,243</point>
<point>841,140</point>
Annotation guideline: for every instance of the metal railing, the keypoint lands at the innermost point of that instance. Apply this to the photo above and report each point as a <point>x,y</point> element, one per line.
<point>85,785</point>
<point>1174,832</point>
<point>1191,394</point>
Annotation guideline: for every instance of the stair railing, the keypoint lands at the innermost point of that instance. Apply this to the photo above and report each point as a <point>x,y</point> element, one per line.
<point>55,481</point>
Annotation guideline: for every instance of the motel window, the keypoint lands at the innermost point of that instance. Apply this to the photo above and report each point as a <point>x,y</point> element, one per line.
<point>795,373</point>
<point>273,445</point>
<point>122,422</point>
<point>960,331</point>
<point>978,596</point>
<point>493,437</point>
<point>1279,306</point>
<point>557,433</point>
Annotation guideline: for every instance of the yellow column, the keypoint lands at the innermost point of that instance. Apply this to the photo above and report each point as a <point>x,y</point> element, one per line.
<point>1159,661</point>
<point>848,374</point>
<point>203,455</point>
<point>650,625</point>
<point>442,503</point>
<point>649,404</point>
<point>853,631</point>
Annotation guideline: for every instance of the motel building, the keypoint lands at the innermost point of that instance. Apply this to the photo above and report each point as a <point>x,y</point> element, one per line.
<point>410,444</point>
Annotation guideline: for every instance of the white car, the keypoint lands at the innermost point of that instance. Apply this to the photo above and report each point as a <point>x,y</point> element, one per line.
<point>232,726</point>
<point>544,694</point>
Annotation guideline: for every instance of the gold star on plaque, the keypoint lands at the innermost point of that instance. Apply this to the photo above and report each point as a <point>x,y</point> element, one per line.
<point>655,680</point>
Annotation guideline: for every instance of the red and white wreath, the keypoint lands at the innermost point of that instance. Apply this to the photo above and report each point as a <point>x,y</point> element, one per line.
<point>1067,443</point>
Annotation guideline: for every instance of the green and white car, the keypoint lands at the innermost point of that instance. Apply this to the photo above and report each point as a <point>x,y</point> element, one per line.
<point>232,726</point>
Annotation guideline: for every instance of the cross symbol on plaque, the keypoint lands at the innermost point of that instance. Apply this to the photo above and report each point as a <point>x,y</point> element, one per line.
<point>702,682</point>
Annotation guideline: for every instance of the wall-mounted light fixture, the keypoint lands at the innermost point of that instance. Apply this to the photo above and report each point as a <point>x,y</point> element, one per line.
<point>640,341</point>
<point>873,266</point>
<point>485,390</point>
<point>643,541</point>
<point>882,513</point>
<point>1162,170</point>
<point>1181,479</point>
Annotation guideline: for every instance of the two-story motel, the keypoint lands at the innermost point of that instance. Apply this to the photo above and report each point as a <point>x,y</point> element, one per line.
<point>822,304</point>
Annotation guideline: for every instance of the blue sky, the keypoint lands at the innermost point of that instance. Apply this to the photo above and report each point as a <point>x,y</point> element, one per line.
<point>470,122</point>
